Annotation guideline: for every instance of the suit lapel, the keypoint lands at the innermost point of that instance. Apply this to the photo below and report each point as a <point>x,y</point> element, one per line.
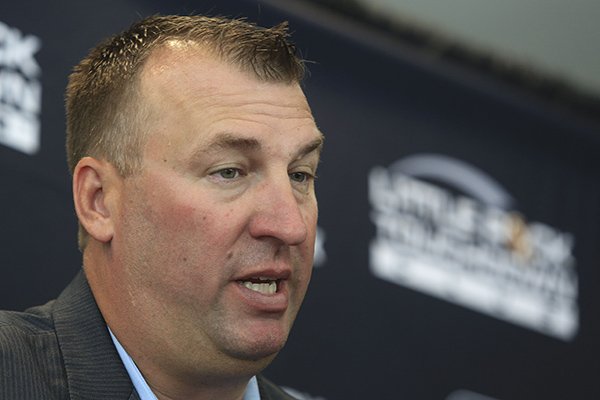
<point>93,367</point>
<point>269,391</point>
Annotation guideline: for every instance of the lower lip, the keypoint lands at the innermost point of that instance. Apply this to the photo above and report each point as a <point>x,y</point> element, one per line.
<point>269,303</point>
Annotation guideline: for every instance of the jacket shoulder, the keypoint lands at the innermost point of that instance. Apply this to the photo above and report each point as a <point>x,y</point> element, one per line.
<point>30,358</point>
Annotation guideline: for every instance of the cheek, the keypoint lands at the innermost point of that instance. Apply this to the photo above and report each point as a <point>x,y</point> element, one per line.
<point>190,231</point>
<point>172,207</point>
<point>160,229</point>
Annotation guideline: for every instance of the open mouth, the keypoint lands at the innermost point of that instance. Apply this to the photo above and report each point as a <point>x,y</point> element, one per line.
<point>261,285</point>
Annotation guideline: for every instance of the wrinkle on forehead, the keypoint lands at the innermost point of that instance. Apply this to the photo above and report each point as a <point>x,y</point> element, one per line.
<point>186,71</point>
<point>191,93</point>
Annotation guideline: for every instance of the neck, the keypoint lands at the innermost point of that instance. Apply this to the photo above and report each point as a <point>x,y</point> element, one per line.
<point>225,392</point>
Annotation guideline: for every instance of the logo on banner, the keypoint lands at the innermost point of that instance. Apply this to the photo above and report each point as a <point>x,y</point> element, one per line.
<point>320,256</point>
<point>20,90</point>
<point>459,239</point>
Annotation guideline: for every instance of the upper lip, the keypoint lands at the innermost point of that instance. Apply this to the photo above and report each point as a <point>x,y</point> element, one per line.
<point>275,274</point>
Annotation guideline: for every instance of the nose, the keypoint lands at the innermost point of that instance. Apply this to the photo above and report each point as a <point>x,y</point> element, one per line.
<point>279,213</point>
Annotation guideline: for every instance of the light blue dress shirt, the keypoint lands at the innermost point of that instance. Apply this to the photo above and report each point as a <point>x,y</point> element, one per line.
<point>144,391</point>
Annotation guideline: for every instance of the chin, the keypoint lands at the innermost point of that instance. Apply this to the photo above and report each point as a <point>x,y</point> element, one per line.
<point>258,348</point>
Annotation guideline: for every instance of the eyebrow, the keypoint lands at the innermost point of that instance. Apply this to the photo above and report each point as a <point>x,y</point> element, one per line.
<point>231,141</point>
<point>315,145</point>
<point>224,141</point>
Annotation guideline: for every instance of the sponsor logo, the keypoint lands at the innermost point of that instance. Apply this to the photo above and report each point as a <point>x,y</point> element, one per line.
<point>460,240</point>
<point>320,255</point>
<point>20,90</point>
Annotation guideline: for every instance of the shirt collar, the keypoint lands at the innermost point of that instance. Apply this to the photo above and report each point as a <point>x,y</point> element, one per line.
<point>144,391</point>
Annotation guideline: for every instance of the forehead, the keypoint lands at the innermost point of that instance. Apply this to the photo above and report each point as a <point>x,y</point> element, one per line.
<point>187,84</point>
<point>188,68</point>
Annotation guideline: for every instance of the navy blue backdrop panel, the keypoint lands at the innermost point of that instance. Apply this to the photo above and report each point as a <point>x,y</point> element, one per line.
<point>457,252</point>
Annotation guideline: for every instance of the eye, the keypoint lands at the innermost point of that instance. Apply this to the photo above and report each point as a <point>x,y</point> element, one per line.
<point>228,173</point>
<point>300,177</point>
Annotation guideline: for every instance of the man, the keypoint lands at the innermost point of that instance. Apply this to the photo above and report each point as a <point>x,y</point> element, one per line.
<point>193,153</point>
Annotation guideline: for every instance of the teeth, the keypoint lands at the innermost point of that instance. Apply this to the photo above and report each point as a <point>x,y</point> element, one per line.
<point>263,288</point>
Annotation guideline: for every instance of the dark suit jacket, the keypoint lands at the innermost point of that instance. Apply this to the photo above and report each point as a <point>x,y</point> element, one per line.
<point>62,350</point>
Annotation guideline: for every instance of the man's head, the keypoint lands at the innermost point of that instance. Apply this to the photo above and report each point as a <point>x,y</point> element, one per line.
<point>107,118</point>
<point>201,244</point>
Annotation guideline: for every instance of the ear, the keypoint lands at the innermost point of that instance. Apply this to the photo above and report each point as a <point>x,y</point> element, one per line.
<point>95,182</point>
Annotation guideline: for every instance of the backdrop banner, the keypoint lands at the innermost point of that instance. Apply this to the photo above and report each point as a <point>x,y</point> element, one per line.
<point>457,252</point>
